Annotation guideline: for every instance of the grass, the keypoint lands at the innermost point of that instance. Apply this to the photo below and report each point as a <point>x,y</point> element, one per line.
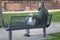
<point>53,39</point>
<point>55,18</point>
<point>0,26</point>
<point>56,35</point>
<point>6,17</point>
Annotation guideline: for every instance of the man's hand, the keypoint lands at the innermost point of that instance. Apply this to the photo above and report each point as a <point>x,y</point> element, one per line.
<point>30,14</point>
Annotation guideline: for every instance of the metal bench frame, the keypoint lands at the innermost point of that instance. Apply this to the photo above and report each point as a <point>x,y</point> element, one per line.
<point>44,28</point>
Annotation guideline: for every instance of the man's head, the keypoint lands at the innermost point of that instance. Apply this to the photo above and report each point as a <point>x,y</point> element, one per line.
<point>41,4</point>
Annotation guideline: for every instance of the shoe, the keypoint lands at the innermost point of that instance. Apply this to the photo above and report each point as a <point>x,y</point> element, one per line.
<point>27,35</point>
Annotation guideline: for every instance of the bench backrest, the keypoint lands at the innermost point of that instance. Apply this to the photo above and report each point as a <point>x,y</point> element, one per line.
<point>15,22</point>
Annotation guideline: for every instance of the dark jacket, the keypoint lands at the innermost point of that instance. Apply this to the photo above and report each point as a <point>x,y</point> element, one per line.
<point>42,16</point>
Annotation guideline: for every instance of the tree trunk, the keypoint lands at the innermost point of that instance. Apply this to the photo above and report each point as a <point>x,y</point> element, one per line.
<point>0,14</point>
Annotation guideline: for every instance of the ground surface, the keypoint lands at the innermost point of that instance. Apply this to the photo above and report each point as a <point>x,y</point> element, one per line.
<point>36,34</point>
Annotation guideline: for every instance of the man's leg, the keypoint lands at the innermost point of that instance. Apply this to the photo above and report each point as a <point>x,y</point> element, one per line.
<point>27,33</point>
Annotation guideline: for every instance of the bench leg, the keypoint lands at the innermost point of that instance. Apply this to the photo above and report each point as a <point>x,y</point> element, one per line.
<point>44,32</point>
<point>10,35</point>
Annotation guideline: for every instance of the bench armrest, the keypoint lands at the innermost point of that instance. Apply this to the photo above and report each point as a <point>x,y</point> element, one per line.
<point>49,20</point>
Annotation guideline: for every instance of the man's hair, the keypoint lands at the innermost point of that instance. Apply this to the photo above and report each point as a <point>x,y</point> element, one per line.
<point>42,3</point>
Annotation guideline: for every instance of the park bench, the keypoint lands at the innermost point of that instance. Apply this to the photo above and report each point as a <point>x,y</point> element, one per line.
<point>15,23</point>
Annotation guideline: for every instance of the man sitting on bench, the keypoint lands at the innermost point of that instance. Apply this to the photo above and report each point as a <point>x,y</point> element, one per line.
<point>42,15</point>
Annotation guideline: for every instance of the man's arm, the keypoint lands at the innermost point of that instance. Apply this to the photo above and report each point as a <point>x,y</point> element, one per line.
<point>40,13</point>
<point>39,16</point>
<point>36,17</point>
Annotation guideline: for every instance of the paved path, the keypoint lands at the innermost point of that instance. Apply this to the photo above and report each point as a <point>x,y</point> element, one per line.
<point>36,34</point>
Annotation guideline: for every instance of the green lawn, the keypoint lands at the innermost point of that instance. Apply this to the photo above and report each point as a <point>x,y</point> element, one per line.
<point>55,18</point>
<point>53,39</point>
<point>57,35</point>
